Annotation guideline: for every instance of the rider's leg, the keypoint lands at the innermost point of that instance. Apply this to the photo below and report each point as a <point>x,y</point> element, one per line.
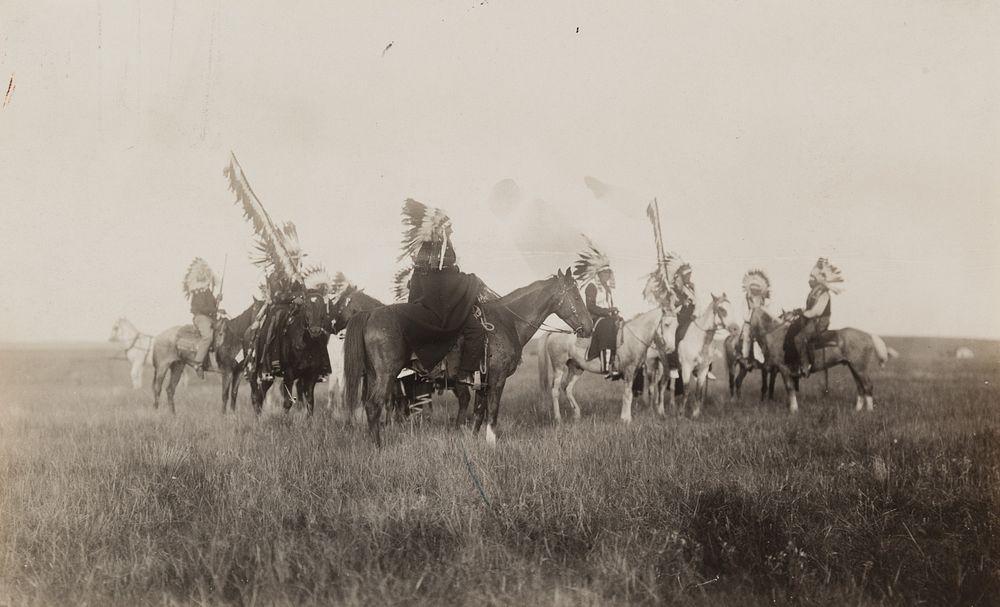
<point>204,325</point>
<point>473,351</point>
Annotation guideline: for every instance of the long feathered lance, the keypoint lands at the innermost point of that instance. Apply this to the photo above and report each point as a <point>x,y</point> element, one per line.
<point>272,239</point>
<point>658,289</point>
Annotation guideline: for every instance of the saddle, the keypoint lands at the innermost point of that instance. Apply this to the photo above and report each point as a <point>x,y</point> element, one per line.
<point>188,337</point>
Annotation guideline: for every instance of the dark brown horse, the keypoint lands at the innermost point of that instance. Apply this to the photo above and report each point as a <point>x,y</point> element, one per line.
<point>858,350</point>
<point>375,351</point>
<point>301,352</point>
<point>738,369</point>
<point>230,352</point>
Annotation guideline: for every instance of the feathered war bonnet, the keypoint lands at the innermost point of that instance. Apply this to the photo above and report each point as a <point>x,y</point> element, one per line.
<point>590,263</point>
<point>426,236</point>
<point>316,278</point>
<point>827,275</point>
<point>757,286</point>
<point>199,277</point>
<point>401,283</point>
<point>659,287</point>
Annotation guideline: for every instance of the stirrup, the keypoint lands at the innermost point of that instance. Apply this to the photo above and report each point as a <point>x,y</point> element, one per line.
<point>476,383</point>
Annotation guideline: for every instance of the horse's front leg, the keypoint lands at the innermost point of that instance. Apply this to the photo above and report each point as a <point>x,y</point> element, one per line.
<point>227,380</point>
<point>791,387</point>
<point>627,396</point>
<point>493,394</point>
<point>575,373</point>
<point>307,390</point>
<point>462,393</point>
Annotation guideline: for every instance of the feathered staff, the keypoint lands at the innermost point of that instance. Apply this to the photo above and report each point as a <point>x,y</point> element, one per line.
<point>658,289</point>
<point>278,246</point>
<point>425,224</point>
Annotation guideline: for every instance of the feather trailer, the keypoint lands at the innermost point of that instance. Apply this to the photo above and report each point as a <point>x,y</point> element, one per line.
<point>658,290</point>
<point>827,274</point>
<point>590,261</point>
<point>422,224</point>
<point>199,276</point>
<point>757,284</point>
<point>401,283</point>
<point>277,246</point>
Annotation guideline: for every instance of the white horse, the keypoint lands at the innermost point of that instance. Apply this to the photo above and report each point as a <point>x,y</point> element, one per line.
<point>695,353</point>
<point>564,353</point>
<point>138,347</point>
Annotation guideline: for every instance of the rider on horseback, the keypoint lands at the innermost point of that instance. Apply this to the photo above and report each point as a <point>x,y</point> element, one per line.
<point>757,289</point>
<point>198,284</point>
<point>442,299</point>
<point>815,319</point>
<point>684,295</point>
<point>593,269</point>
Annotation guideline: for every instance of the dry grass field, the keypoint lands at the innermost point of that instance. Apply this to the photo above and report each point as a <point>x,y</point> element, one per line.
<point>104,501</point>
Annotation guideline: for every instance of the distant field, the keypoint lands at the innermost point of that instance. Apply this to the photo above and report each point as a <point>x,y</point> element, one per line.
<point>104,501</point>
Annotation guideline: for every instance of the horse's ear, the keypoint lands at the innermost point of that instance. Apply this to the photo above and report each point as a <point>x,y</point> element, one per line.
<point>559,273</point>
<point>569,271</point>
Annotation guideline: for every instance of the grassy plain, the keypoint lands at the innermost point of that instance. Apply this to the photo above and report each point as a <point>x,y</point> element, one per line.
<point>104,501</point>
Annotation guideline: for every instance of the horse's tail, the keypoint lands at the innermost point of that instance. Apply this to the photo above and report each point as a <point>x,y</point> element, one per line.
<point>544,364</point>
<point>883,351</point>
<point>355,360</point>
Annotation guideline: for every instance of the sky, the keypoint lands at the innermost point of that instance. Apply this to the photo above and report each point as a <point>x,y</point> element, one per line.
<point>771,133</point>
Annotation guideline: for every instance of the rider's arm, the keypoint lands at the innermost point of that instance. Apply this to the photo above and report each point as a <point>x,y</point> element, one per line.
<point>819,306</point>
<point>590,294</point>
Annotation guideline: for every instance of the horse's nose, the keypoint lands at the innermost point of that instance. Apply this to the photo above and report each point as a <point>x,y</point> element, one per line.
<point>316,331</point>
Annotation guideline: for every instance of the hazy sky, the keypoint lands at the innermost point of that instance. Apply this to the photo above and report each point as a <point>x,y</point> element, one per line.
<point>771,133</point>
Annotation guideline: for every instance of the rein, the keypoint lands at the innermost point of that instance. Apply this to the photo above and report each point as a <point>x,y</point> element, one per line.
<point>547,328</point>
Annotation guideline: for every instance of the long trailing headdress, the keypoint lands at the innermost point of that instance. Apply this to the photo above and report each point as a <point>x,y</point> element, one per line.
<point>422,225</point>
<point>827,275</point>
<point>199,276</point>
<point>401,283</point>
<point>590,261</point>
<point>278,246</point>
<point>756,284</point>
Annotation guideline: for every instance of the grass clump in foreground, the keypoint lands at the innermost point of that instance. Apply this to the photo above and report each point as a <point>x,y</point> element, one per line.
<point>106,501</point>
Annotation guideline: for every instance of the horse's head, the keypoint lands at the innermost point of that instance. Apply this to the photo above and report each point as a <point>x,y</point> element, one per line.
<point>343,308</point>
<point>316,314</point>
<point>116,330</point>
<point>570,307</point>
<point>665,337</point>
<point>720,309</point>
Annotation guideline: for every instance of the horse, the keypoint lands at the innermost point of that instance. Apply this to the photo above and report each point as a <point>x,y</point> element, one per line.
<point>851,347</point>
<point>230,351</point>
<point>565,354</point>
<point>375,351</point>
<point>172,350</point>
<point>138,346</point>
<point>695,353</point>
<point>301,347</point>
<point>349,303</point>
<point>737,368</point>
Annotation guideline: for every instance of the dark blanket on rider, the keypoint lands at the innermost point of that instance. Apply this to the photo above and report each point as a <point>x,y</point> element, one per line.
<point>441,301</point>
<point>605,336</point>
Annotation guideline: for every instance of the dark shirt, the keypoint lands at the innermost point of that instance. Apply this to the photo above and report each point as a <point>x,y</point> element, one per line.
<point>596,311</point>
<point>811,300</point>
<point>203,302</point>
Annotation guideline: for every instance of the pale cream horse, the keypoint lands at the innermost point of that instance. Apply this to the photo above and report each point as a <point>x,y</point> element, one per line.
<point>695,353</point>
<point>137,348</point>
<point>564,354</point>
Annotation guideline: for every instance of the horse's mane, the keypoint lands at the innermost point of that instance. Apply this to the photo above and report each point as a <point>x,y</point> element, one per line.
<point>520,292</point>
<point>366,298</point>
<point>242,320</point>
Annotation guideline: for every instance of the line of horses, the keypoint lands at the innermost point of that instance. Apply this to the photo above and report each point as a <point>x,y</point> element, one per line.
<point>373,352</point>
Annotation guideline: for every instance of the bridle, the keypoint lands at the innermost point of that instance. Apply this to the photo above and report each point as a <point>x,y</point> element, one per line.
<point>720,324</point>
<point>541,325</point>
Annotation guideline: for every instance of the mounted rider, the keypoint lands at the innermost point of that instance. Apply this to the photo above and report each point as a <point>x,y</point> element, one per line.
<point>442,300</point>
<point>757,291</point>
<point>199,280</point>
<point>593,269</point>
<point>814,320</point>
